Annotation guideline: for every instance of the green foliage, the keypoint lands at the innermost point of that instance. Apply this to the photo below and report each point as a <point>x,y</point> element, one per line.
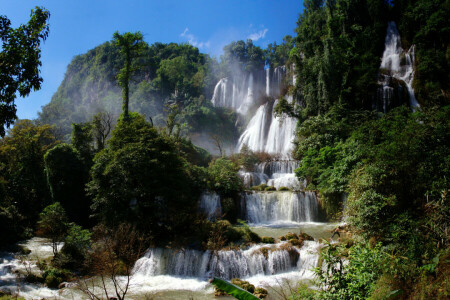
<point>130,46</point>
<point>22,178</point>
<point>82,139</point>
<point>401,149</point>
<point>223,177</point>
<point>354,280</point>
<point>248,234</point>
<point>278,55</point>
<point>303,292</point>
<point>89,86</point>
<point>77,243</point>
<point>53,224</point>
<point>221,234</point>
<point>141,179</point>
<point>337,52</point>
<point>20,57</point>
<point>243,55</point>
<point>67,176</point>
<point>53,277</point>
<point>247,158</point>
<point>425,24</point>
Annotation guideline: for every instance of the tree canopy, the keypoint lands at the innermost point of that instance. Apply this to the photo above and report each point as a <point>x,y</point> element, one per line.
<point>20,61</point>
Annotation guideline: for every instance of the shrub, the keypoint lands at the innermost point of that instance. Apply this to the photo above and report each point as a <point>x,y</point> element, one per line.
<point>267,240</point>
<point>53,277</point>
<point>223,177</point>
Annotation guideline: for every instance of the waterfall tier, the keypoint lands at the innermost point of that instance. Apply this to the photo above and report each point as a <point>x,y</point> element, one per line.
<point>396,73</point>
<point>270,134</point>
<point>265,208</point>
<point>281,207</point>
<point>228,264</point>
<point>210,205</point>
<point>274,173</point>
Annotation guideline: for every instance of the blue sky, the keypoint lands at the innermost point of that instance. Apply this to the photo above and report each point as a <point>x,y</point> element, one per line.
<point>79,25</point>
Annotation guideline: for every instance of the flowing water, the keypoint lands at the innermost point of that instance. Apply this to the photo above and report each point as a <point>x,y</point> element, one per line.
<point>397,65</point>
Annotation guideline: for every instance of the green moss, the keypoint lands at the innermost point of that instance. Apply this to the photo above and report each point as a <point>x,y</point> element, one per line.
<point>284,189</point>
<point>270,189</point>
<point>260,187</point>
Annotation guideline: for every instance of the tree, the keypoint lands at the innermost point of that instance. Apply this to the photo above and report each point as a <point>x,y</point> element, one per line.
<point>67,175</point>
<point>20,61</point>
<point>101,126</point>
<point>130,46</point>
<point>140,178</point>
<point>22,167</point>
<point>53,224</point>
<point>112,259</point>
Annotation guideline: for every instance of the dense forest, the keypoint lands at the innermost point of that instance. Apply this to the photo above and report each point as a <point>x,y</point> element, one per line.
<point>89,174</point>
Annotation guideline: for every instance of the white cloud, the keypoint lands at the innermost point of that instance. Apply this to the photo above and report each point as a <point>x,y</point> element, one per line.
<point>193,40</point>
<point>258,35</point>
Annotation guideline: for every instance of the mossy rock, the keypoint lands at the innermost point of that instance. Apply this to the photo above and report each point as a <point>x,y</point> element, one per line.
<point>264,251</point>
<point>297,242</point>
<point>260,187</point>
<point>243,284</point>
<point>270,189</point>
<point>267,240</point>
<point>305,237</point>
<point>284,189</point>
<point>289,236</point>
<point>261,293</point>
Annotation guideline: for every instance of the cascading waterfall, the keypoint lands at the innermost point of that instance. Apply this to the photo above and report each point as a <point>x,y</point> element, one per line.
<point>268,207</point>
<point>228,264</point>
<point>267,133</point>
<point>210,205</point>
<point>273,208</point>
<point>277,173</point>
<point>397,72</point>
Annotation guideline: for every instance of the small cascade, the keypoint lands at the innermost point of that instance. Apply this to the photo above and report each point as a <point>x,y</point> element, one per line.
<point>228,264</point>
<point>279,207</point>
<point>210,205</point>
<point>396,73</point>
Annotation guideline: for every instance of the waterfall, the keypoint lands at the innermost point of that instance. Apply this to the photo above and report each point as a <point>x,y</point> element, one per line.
<point>228,264</point>
<point>278,207</point>
<point>267,133</point>
<point>397,70</point>
<point>210,205</point>
<point>277,173</point>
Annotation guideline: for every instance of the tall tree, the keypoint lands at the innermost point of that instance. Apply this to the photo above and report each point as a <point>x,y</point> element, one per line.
<point>20,61</point>
<point>130,46</point>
